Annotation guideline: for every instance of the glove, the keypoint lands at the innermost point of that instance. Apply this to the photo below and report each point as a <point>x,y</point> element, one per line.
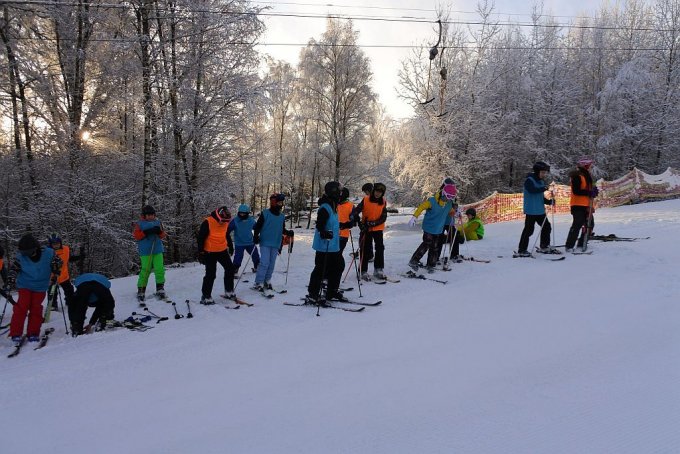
<point>231,250</point>
<point>201,257</point>
<point>550,202</point>
<point>412,221</point>
<point>290,233</point>
<point>153,231</point>
<point>363,226</point>
<point>594,192</point>
<point>326,235</point>
<point>256,238</point>
<point>371,223</point>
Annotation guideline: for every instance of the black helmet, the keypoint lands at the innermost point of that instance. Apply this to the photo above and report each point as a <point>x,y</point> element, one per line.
<point>28,245</point>
<point>53,239</point>
<point>368,187</point>
<point>147,210</point>
<point>471,212</point>
<point>332,190</point>
<point>379,187</point>
<point>344,194</point>
<point>540,165</point>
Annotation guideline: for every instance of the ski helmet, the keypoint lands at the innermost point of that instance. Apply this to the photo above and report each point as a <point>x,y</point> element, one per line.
<point>585,162</point>
<point>368,187</point>
<point>379,187</point>
<point>28,245</point>
<point>148,210</point>
<point>243,208</point>
<point>223,214</point>
<point>344,194</point>
<point>332,189</point>
<point>540,165</point>
<point>449,191</point>
<point>53,239</point>
<point>449,180</point>
<point>471,212</point>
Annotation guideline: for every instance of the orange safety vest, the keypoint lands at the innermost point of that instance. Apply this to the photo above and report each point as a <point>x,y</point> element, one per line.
<point>344,210</point>
<point>372,212</point>
<point>216,240</point>
<point>64,254</point>
<point>581,200</point>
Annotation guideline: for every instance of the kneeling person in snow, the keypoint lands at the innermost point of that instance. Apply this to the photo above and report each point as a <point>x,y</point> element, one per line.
<point>472,230</point>
<point>92,290</point>
<point>534,209</point>
<point>328,261</point>
<point>436,208</point>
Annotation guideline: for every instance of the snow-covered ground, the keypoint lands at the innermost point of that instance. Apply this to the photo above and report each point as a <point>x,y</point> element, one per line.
<point>515,356</point>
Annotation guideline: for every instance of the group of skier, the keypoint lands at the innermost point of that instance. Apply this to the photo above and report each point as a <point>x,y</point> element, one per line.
<point>37,270</point>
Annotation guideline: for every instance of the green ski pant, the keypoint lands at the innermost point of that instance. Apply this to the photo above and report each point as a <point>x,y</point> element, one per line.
<point>155,262</point>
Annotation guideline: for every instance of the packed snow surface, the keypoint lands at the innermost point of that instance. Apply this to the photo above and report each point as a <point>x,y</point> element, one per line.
<point>515,356</point>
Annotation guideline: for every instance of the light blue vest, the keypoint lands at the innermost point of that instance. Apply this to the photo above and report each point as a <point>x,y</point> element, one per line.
<point>89,277</point>
<point>435,217</point>
<point>243,231</point>
<point>35,276</point>
<point>333,225</point>
<point>151,244</point>
<point>271,234</point>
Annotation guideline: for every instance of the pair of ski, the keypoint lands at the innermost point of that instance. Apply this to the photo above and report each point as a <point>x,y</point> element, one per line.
<point>238,301</point>
<point>381,281</point>
<point>413,275</point>
<point>327,305</point>
<point>612,237</point>
<point>43,341</point>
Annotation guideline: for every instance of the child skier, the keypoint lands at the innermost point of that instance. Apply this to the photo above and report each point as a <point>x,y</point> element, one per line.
<point>149,233</point>
<point>534,209</point>
<point>367,189</point>
<point>242,226</point>
<point>213,248</point>
<point>33,271</point>
<point>437,208</point>
<point>472,230</point>
<point>373,210</point>
<point>583,193</point>
<point>344,210</point>
<point>64,279</point>
<point>328,261</point>
<point>92,290</point>
<point>269,230</point>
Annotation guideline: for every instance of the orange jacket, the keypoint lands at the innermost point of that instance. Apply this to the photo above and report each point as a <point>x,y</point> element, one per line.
<point>64,253</point>
<point>216,241</point>
<point>581,185</point>
<point>344,211</point>
<point>375,212</point>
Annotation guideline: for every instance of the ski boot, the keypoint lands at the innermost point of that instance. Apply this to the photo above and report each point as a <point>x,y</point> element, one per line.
<point>160,291</point>
<point>379,274</point>
<point>229,295</point>
<point>140,294</point>
<point>366,277</point>
<point>415,265</point>
<point>334,295</point>
<point>207,300</point>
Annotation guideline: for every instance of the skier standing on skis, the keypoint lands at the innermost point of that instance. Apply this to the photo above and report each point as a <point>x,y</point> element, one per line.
<point>436,208</point>
<point>64,279</point>
<point>149,233</point>
<point>213,248</point>
<point>242,228</point>
<point>583,193</point>
<point>269,230</point>
<point>367,189</point>
<point>92,290</point>
<point>373,210</point>
<point>33,271</point>
<point>345,208</point>
<point>328,261</point>
<point>534,210</point>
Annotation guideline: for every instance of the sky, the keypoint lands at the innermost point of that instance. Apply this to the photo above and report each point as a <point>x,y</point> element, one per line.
<point>387,61</point>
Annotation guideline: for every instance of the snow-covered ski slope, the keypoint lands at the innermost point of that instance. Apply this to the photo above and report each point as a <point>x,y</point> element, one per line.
<point>515,356</point>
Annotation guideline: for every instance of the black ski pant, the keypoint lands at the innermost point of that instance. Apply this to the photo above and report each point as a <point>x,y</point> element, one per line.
<point>90,294</point>
<point>430,245</point>
<point>343,243</point>
<point>329,266</point>
<point>580,218</point>
<point>379,257</point>
<point>211,261</point>
<point>369,252</point>
<point>67,287</point>
<point>529,222</point>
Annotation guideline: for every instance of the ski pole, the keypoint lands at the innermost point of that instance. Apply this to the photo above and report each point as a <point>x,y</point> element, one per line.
<point>158,317</point>
<point>533,248</point>
<point>323,278</point>
<point>189,314</point>
<point>355,264</point>
<point>588,221</point>
<point>177,314</point>
<point>244,268</point>
<point>554,207</point>
<point>3,311</point>
<point>465,240</point>
<point>63,311</point>
<point>449,242</point>
<point>290,251</point>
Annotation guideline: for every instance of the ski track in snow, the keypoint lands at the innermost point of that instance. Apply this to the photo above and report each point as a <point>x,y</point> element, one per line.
<point>515,356</point>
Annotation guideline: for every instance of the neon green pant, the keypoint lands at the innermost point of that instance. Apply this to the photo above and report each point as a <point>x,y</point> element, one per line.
<point>149,262</point>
